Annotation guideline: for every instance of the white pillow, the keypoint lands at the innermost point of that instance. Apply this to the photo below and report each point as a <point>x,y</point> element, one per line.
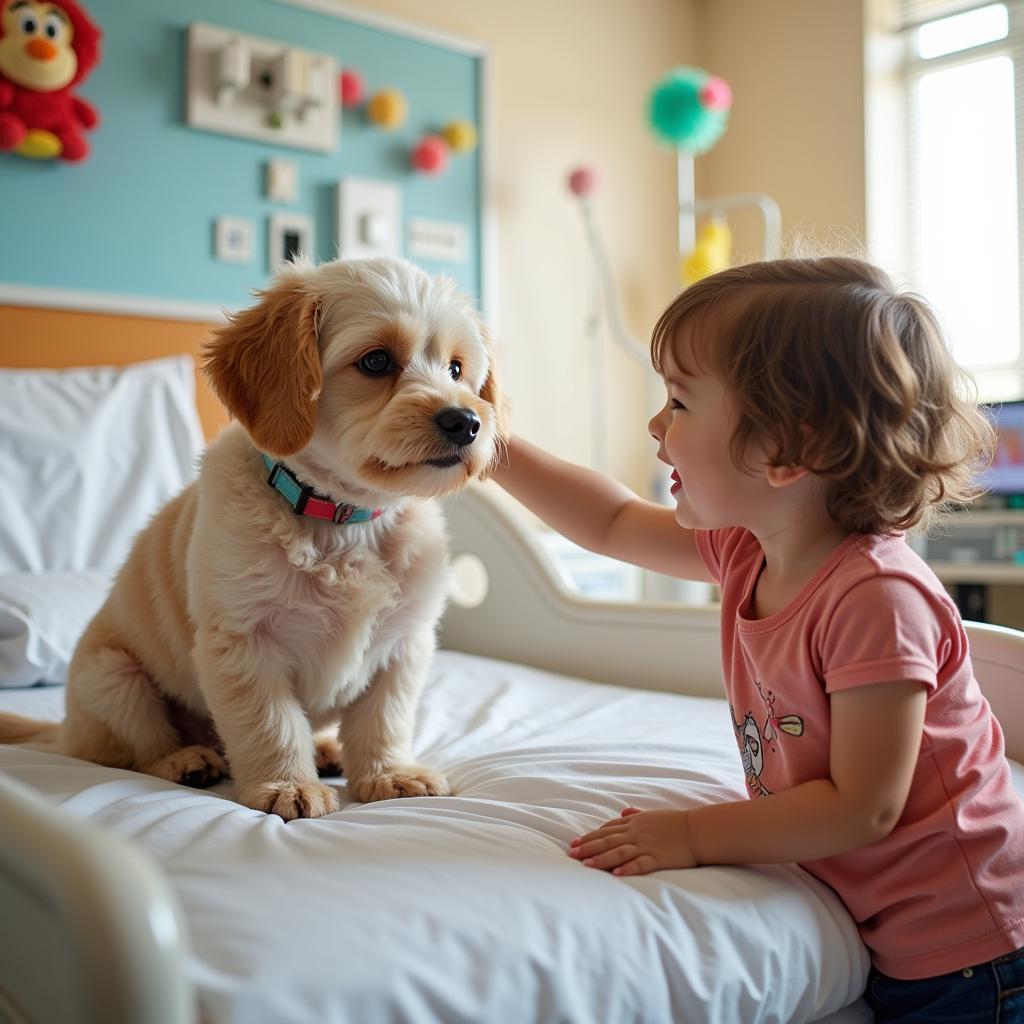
<point>42,615</point>
<point>87,456</point>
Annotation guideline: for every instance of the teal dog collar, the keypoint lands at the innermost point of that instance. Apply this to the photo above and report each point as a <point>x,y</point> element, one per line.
<point>306,502</point>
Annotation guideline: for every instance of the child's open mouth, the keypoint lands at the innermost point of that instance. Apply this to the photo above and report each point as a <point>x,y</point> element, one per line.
<point>676,482</point>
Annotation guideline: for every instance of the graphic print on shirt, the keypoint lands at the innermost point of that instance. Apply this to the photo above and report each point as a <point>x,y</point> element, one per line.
<point>752,739</point>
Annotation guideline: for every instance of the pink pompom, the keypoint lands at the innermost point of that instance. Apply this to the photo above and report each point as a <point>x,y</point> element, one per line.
<point>431,155</point>
<point>716,94</point>
<point>583,181</point>
<point>352,88</point>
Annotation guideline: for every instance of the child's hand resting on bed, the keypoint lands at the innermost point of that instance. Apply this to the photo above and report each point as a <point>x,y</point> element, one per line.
<point>637,842</point>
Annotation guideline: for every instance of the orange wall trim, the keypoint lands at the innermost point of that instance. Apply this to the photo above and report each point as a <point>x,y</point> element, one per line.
<point>58,338</point>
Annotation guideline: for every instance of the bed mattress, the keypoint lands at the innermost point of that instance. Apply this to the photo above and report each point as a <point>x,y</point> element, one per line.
<point>467,908</point>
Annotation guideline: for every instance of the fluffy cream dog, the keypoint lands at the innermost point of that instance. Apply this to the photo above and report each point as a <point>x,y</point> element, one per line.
<point>241,628</point>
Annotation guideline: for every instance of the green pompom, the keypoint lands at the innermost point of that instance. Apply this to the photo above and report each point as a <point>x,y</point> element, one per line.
<point>678,116</point>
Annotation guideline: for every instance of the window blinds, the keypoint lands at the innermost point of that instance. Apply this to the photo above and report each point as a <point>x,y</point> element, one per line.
<point>911,13</point>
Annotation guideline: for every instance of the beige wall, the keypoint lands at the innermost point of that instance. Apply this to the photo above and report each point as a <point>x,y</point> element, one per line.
<point>797,126</point>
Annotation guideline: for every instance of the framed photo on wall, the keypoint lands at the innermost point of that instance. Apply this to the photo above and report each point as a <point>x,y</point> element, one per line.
<point>291,235</point>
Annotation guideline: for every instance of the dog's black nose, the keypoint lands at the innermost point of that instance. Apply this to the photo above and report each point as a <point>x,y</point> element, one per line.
<point>459,426</point>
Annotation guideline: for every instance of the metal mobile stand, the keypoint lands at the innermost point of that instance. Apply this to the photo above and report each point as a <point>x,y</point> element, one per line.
<point>606,294</point>
<point>654,586</point>
<point>688,109</point>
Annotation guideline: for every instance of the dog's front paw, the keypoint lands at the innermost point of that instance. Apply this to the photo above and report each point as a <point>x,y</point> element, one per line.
<point>401,780</point>
<point>290,799</point>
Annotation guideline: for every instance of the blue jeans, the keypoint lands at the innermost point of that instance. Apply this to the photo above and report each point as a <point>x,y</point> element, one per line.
<point>992,993</point>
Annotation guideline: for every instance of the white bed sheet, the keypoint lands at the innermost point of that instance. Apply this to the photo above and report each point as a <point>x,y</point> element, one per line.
<point>467,908</point>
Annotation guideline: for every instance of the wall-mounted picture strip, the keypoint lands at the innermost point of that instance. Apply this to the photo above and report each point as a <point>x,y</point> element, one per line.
<point>262,89</point>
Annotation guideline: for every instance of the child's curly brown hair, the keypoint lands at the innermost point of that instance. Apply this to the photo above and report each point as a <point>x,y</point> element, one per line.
<point>830,367</point>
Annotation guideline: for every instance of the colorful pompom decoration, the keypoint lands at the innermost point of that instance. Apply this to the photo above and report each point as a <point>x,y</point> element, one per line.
<point>388,109</point>
<point>351,88</point>
<point>431,155</point>
<point>712,253</point>
<point>716,94</point>
<point>582,181</point>
<point>689,109</point>
<point>460,135</point>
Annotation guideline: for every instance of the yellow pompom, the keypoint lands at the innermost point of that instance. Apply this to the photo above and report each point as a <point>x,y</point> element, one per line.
<point>460,135</point>
<point>388,109</point>
<point>712,253</point>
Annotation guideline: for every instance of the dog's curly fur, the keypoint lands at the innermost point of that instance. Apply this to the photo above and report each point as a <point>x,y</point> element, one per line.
<point>238,635</point>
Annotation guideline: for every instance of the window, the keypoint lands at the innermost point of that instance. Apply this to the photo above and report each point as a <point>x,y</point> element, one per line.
<point>958,70</point>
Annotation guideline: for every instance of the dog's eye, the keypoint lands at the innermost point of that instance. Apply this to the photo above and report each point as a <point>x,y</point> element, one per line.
<point>455,369</point>
<point>376,362</point>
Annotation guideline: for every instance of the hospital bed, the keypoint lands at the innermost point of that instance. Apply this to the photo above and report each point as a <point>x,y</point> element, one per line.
<point>124,898</point>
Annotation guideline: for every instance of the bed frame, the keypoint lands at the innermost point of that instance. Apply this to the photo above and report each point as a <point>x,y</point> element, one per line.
<point>89,930</point>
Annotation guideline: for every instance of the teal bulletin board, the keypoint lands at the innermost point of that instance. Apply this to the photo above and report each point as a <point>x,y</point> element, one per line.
<point>135,219</point>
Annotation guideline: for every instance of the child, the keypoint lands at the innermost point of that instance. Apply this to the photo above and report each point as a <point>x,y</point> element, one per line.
<point>814,414</point>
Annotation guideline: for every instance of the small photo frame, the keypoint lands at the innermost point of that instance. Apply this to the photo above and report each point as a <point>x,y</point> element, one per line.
<point>232,239</point>
<point>290,236</point>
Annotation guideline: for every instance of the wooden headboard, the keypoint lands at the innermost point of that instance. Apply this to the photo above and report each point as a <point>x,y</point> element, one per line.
<point>58,338</point>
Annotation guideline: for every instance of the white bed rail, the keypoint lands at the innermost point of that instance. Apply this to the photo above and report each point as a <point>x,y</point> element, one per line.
<point>89,929</point>
<point>527,614</point>
<point>997,655</point>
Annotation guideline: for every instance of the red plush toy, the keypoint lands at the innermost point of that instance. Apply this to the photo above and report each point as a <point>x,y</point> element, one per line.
<point>46,48</point>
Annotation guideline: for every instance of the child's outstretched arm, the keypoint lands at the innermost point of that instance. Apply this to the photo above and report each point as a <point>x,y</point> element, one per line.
<point>599,513</point>
<point>876,737</point>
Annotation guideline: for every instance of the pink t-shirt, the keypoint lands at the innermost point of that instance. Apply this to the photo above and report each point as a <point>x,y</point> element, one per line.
<point>945,889</point>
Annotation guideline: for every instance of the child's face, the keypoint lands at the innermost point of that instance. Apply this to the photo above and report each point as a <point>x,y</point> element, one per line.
<point>693,431</point>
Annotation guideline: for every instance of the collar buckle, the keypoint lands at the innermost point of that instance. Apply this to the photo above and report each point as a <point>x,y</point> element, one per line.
<point>299,508</point>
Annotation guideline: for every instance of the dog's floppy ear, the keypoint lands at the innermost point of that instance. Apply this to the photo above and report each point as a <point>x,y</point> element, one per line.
<point>491,391</point>
<point>265,367</point>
